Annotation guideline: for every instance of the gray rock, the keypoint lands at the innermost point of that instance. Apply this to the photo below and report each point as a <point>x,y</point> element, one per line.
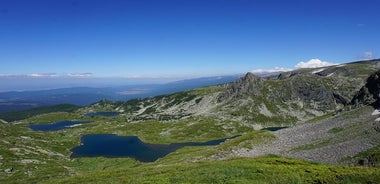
<point>369,94</point>
<point>9,170</point>
<point>249,84</point>
<point>376,126</point>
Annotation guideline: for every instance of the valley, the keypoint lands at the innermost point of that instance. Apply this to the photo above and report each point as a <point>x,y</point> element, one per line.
<point>330,133</point>
<point>19,99</point>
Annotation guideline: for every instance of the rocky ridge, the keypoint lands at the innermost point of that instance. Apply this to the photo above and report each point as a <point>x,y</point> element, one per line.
<point>369,94</point>
<point>288,99</point>
<point>285,99</point>
<point>334,140</point>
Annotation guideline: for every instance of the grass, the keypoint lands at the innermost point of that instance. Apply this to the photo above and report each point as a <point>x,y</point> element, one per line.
<point>248,140</point>
<point>186,165</point>
<point>195,129</point>
<point>239,170</point>
<point>335,130</point>
<point>319,118</point>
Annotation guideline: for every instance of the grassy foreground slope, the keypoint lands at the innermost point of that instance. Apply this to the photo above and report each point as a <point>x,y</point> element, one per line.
<point>240,170</point>
<point>44,156</point>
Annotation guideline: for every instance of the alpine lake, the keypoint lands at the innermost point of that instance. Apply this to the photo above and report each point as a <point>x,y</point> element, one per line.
<point>114,146</point>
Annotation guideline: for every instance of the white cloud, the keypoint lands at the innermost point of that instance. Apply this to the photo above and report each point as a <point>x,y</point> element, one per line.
<point>79,74</point>
<point>313,63</point>
<point>368,55</point>
<point>272,70</point>
<point>43,75</point>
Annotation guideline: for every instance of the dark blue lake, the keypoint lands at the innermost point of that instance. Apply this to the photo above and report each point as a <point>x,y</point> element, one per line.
<point>106,114</point>
<point>273,129</point>
<point>56,126</point>
<point>111,145</point>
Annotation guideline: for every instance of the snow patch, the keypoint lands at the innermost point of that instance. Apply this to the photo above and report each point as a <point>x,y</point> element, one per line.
<point>331,74</point>
<point>376,112</point>
<point>317,71</point>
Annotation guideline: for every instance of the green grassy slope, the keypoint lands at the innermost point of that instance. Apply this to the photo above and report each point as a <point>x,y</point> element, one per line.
<point>240,170</point>
<point>44,156</point>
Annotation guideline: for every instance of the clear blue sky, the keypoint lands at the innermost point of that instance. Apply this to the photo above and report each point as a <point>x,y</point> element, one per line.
<point>182,37</point>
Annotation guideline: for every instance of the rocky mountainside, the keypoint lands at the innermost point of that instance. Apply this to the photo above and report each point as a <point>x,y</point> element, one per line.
<point>282,100</point>
<point>351,135</point>
<point>333,100</point>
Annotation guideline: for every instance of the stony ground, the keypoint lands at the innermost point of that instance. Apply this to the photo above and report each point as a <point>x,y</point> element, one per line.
<point>326,141</point>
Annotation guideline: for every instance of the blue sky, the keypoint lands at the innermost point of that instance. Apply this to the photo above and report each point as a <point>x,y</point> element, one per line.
<point>177,38</point>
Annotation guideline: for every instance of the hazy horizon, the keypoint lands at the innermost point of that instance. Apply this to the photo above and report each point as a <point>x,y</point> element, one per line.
<point>33,83</point>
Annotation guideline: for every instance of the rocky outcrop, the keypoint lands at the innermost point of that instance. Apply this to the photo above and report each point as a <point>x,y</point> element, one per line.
<point>340,99</point>
<point>249,84</point>
<point>309,88</point>
<point>370,93</point>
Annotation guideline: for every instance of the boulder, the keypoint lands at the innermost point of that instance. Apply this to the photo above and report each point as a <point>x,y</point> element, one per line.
<point>9,170</point>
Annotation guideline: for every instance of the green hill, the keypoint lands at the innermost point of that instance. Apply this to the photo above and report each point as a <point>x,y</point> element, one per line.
<point>330,114</point>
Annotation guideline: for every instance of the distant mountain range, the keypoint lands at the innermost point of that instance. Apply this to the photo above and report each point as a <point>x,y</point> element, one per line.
<point>22,100</point>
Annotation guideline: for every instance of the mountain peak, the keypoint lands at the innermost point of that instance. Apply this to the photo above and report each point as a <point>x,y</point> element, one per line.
<point>250,76</point>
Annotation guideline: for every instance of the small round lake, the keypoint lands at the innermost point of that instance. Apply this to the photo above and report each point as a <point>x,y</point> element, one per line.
<point>57,125</point>
<point>111,145</point>
<point>106,114</point>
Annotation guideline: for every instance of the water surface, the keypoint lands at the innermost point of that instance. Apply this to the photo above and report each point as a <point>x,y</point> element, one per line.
<point>111,145</point>
<point>57,125</point>
<point>273,129</point>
